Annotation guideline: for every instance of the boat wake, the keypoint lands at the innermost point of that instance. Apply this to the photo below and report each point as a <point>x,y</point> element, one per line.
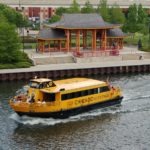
<point>126,98</point>
<point>25,120</point>
<point>50,121</point>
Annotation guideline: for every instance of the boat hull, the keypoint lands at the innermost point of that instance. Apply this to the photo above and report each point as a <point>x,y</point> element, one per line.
<point>66,113</point>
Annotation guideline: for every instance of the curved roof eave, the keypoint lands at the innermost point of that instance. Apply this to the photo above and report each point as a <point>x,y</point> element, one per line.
<point>70,28</point>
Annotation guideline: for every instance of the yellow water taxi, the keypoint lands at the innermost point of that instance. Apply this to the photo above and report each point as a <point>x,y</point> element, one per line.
<point>44,97</point>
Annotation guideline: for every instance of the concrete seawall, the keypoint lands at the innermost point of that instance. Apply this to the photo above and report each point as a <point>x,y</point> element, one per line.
<point>77,69</point>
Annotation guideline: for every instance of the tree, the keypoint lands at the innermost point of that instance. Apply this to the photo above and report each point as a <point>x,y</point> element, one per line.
<point>13,16</point>
<point>104,10</point>
<point>131,23</point>
<point>54,18</point>
<point>88,8</point>
<point>61,10</point>
<point>116,15</point>
<point>3,18</point>
<point>142,15</point>
<point>137,20</point>
<point>142,20</point>
<point>10,54</point>
<point>9,43</point>
<point>74,7</point>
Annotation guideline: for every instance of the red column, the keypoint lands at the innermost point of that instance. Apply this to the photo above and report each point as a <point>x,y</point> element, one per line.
<point>94,40</point>
<point>67,40</point>
<point>78,40</point>
<point>43,49</point>
<point>70,41</point>
<point>104,40</point>
<point>49,45</point>
<point>60,45</point>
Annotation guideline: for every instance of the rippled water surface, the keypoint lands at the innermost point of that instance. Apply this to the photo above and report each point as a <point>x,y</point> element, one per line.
<point>125,127</point>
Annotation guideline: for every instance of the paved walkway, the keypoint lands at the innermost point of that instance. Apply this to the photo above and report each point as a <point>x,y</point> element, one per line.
<point>49,67</point>
<point>78,66</point>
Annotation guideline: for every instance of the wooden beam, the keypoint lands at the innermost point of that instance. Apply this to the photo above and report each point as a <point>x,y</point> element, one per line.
<point>43,46</point>
<point>49,45</point>
<point>70,44</point>
<point>78,40</point>
<point>94,40</point>
<point>60,45</point>
<point>67,40</point>
<point>104,39</point>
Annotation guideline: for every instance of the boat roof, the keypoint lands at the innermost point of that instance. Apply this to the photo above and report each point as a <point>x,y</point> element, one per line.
<point>72,84</point>
<point>41,80</point>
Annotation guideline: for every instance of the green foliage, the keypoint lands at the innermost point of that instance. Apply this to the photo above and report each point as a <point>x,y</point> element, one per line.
<point>16,65</point>
<point>9,43</point>
<point>142,20</point>
<point>104,10</point>
<point>116,15</point>
<point>131,23</point>
<point>88,8</point>
<point>142,15</point>
<point>61,10</point>
<point>23,65</point>
<point>133,39</point>
<point>74,8</point>
<point>54,18</point>
<point>3,18</point>
<point>137,20</point>
<point>10,53</point>
<point>13,16</point>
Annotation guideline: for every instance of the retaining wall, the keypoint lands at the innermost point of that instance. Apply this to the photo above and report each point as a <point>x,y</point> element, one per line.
<point>75,72</point>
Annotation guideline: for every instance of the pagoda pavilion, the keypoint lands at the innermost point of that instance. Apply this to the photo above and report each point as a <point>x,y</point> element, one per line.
<point>80,32</point>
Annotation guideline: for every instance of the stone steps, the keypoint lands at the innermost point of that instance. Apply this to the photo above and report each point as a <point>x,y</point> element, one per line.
<point>53,60</point>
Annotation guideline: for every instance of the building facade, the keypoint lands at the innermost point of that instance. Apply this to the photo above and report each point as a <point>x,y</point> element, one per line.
<point>46,8</point>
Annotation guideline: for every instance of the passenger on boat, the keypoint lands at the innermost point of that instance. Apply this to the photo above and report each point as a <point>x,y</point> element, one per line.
<point>32,100</point>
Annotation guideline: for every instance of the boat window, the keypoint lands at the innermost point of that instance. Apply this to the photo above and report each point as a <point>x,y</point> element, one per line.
<point>83,93</point>
<point>90,92</point>
<point>34,85</point>
<point>41,85</point>
<point>95,91</point>
<point>64,97</point>
<point>79,94</point>
<point>104,89</point>
<point>49,97</point>
<point>46,85</point>
<point>72,95</point>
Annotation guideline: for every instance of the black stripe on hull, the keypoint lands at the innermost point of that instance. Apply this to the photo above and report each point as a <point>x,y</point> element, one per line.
<point>66,113</point>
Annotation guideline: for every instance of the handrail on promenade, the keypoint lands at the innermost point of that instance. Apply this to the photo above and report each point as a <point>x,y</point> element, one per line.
<point>82,54</point>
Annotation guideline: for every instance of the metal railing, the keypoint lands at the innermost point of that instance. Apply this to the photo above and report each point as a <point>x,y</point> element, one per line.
<point>82,54</point>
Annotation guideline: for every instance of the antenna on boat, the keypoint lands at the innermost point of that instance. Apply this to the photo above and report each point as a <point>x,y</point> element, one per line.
<point>107,80</point>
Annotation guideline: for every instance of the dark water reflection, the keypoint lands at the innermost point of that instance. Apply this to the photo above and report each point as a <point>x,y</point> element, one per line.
<point>125,127</point>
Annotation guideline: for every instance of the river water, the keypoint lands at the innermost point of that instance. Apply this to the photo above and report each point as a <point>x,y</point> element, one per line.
<point>124,127</point>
